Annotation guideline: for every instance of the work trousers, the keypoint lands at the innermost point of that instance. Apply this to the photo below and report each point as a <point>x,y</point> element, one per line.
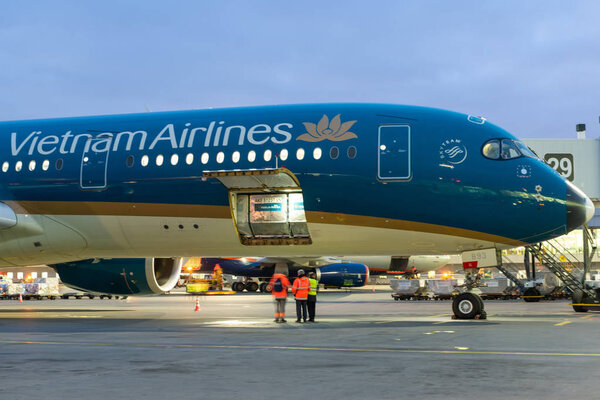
<point>280,307</point>
<point>312,305</point>
<point>301,310</point>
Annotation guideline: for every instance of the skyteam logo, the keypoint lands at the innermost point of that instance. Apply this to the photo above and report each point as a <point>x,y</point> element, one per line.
<point>452,151</point>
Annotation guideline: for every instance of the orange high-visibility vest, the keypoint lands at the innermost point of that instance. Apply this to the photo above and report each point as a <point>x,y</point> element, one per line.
<point>284,282</point>
<point>301,288</point>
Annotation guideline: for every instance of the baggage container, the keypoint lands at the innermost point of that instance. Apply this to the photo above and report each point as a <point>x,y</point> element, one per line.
<point>495,288</point>
<point>404,289</point>
<point>443,288</point>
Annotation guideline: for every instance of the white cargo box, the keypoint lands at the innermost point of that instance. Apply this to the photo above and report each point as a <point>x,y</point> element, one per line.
<point>15,289</point>
<point>30,288</point>
<point>405,286</point>
<point>48,289</point>
<point>442,286</point>
<point>494,286</point>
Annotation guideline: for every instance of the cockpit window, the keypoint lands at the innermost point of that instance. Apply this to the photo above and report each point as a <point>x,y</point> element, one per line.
<point>509,150</point>
<point>492,149</point>
<point>526,151</point>
<point>505,149</point>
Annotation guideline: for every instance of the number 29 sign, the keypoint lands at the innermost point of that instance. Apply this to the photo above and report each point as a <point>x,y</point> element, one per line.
<point>562,163</point>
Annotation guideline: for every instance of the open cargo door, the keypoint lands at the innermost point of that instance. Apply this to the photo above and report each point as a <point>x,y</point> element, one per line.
<point>267,206</point>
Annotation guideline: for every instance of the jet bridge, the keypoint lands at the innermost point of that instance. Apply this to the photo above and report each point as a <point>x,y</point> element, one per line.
<point>267,206</point>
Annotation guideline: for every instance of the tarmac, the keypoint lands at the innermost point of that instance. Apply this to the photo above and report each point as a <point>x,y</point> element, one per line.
<point>364,346</point>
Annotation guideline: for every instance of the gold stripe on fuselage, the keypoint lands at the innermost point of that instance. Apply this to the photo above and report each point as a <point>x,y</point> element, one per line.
<point>205,211</point>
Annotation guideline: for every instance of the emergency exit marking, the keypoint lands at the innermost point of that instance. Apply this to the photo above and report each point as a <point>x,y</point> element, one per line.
<point>562,163</point>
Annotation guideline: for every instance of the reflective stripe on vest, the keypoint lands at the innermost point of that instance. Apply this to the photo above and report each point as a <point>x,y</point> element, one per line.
<point>306,282</point>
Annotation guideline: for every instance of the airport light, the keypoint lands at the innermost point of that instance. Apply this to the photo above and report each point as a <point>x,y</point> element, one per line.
<point>580,128</point>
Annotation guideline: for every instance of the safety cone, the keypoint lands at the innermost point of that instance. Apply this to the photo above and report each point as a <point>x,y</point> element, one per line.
<point>373,289</point>
<point>197,304</point>
<point>20,298</point>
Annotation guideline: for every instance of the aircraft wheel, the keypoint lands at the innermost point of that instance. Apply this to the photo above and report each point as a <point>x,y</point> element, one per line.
<point>263,287</point>
<point>237,286</point>
<point>467,306</point>
<point>532,292</point>
<point>579,297</point>
<point>481,303</point>
<point>251,287</point>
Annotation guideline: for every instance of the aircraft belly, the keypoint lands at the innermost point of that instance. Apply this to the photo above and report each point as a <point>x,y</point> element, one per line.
<point>119,236</point>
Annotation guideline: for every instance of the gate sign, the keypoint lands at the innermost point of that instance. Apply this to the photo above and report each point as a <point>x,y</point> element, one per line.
<point>562,163</point>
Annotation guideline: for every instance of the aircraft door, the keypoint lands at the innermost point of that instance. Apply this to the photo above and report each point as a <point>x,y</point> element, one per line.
<point>393,160</point>
<point>94,162</point>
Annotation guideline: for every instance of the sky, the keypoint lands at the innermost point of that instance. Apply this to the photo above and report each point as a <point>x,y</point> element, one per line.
<point>532,67</point>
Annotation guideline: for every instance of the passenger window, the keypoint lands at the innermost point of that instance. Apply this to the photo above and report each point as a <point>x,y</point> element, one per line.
<point>509,150</point>
<point>5,166</point>
<point>268,155</point>
<point>235,157</point>
<point>129,161</point>
<point>31,165</point>
<point>251,155</point>
<point>159,160</point>
<point>174,159</point>
<point>144,161</point>
<point>351,152</point>
<point>59,164</point>
<point>317,153</point>
<point>283,155</point>
<point>189,158</point>
<point>491,149</point>
<point>45,165</point>
<point>334,152</point>
<point>204,158</point>
<point>18,166</point>
<point>300,154</point>
<point>220,157</point>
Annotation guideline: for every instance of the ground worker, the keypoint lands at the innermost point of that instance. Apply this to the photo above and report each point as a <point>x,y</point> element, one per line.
<point>300,290</point>
<point>312,296</point>
<point>278,285</point>
<point>218,277</point>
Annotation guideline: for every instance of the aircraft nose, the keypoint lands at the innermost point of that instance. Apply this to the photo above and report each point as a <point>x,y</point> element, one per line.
<point>580,208</point>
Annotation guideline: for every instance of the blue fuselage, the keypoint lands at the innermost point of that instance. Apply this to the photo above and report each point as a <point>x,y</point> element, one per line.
<point>369,165</point>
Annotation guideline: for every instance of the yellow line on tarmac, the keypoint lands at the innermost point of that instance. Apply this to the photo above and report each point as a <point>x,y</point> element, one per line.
<point>588,316</point>
<point>439,315</point>
<point>330,349</point>
<point>441,322</point>
<point>562,323</point>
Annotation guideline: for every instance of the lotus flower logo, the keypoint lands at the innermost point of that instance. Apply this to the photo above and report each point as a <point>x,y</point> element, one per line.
<point>328,130</point>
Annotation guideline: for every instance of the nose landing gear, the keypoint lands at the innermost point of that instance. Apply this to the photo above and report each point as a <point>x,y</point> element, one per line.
<point>468,306</point>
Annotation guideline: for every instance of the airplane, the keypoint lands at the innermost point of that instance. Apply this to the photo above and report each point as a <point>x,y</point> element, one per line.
<point>113,203</point>
<point>332,272</point>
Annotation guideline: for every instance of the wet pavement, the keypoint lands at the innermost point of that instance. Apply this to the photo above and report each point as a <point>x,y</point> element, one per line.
<point>364,345</point>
